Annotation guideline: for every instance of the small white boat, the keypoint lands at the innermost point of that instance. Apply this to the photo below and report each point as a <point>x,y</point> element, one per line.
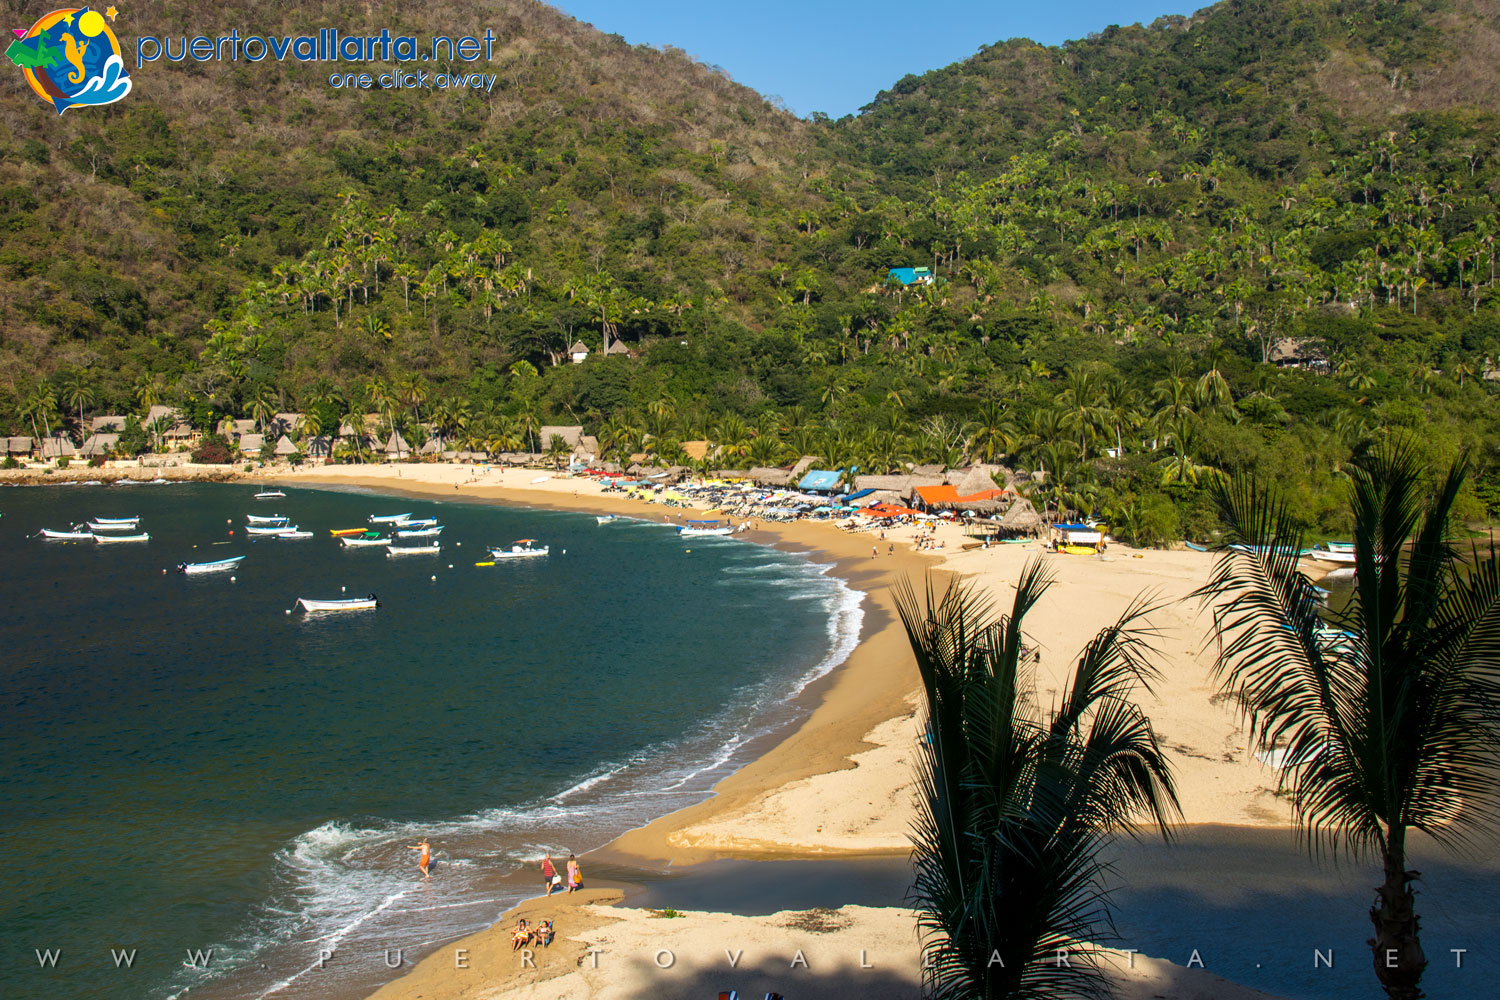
<point>607,518</point>
<point>73,534</point>
<point>413,550</point>
<point>389,518</point>
<point>420,532</point>
<point>704,529</point>
<point>522,549</point>
<point>419,522</point>
<point>128,522</point>
<point>1339,556</point>
<point>269,495</point>
<point>266,529</point>
<point>217,566</point>
<point>359,543</point>
<point>292,532</point>
<point>142,537</point>
<point>344,604</point>
<point>266,519</point>
<point>111,526</point>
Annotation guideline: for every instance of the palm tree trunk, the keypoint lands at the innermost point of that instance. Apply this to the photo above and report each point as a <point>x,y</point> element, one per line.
<point>1396,946</point>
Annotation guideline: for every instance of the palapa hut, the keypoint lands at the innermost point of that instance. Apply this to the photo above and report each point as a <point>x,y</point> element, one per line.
<point>17,445</point>
<point>766,476</point>
<point>284,447</point>
<point>320,446</point>
<point>396,447</point>
<point>1022,519</point>
<point>99,445</point>
<point>59,445</point>
<point>803,464</point>
<point>432,447</point>
<point>251,444</point>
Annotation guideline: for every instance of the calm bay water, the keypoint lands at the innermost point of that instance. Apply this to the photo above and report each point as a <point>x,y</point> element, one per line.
<point>185,766</point>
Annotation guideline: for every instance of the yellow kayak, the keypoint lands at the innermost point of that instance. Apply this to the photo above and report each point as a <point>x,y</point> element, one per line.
<point>341,532</point>
<point>484,564</point>
<point>1078,550</point>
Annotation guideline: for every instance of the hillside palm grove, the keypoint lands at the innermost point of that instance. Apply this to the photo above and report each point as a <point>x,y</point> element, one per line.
<point>1260,238</point>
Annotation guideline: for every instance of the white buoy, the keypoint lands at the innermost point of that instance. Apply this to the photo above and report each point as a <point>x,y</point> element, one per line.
<point>232,579</point>
<point>343,590</point>
<point>434,578</point>
<point>287,611</point>
<point>450,565</point>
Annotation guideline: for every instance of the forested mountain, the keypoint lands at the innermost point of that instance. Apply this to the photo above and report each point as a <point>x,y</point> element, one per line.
<point>1128,231</point>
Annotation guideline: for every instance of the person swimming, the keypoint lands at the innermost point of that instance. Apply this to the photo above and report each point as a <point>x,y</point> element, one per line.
<point>425,861</point>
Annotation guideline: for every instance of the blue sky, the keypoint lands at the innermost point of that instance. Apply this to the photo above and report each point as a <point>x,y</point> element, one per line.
<point>835,55</point>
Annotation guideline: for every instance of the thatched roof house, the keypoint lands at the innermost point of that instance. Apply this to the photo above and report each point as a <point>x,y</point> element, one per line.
<point>766,476</point>
<point>397,447</point>
<point>251,444</point>
<point>284,447</point>
<point>17,445</point>
<point>99,445</point>
<point>59,445</point>
<point>1022,519</point>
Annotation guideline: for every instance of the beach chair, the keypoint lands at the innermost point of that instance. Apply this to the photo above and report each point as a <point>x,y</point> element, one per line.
<point>729,995</point>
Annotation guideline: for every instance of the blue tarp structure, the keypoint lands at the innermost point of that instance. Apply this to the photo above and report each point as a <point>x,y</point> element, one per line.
<point>855,495</point>
<point>819,481</point>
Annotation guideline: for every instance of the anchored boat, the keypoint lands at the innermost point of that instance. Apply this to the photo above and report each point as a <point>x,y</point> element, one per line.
<point>345,604</point>
<point>357,543</point>
<point>217,566</point>
<point>142,537</point>
<point>522,549</point>
<point>390,518</point>
<point>266,519</point>
<point>269,495</point>
<point>429,532</point>
<point>413,550</point>
<point>73,534</point>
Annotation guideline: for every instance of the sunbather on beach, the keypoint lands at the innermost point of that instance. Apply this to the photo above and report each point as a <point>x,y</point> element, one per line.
<point>522,937</point>
<point>544,934</point>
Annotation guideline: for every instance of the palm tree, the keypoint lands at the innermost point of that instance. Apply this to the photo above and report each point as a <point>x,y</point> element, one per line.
<point>78,393</point>
<point>1389,723</point>
<point>1016,804</point>
<point>557,450</point>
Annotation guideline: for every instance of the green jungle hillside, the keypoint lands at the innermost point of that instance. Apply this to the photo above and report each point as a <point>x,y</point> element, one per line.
<point>1257,238</point>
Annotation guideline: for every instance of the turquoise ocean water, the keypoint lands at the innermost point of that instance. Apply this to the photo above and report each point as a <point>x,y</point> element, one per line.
<point>186,767</point>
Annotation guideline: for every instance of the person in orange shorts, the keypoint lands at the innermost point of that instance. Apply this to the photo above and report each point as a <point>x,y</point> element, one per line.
<point>426,858</point>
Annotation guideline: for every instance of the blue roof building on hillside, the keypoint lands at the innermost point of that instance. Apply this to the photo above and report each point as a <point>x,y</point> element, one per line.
<point>910,275</point>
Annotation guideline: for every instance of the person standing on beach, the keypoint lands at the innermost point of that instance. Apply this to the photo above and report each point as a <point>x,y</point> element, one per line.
<point>549,871</point>
<point>425,860</point>
<point>575,875</point>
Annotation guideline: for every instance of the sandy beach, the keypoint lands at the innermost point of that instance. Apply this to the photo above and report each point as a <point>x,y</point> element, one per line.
<point>841,783</point>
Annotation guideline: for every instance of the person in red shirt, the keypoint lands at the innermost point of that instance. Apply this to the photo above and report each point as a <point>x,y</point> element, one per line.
<point>549,871</point>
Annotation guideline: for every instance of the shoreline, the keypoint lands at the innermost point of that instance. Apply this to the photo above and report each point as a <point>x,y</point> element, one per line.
<point>870,688</point>
<point>838,783</point>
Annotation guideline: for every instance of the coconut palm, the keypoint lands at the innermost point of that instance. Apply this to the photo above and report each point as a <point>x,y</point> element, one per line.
<point>1016,803</point>
<point>1392,725</point>
<point>77,392</point>
<point>558,450</point>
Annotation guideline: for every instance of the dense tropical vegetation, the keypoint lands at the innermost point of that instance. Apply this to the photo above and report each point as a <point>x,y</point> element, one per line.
<point>1390,717</point>
<point>1129,232</point>
<point>1016,803</point>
